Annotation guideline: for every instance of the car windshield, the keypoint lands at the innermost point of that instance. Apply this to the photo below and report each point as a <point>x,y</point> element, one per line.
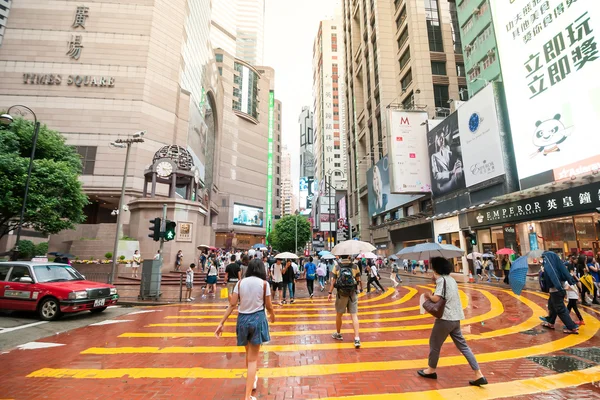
<point>56,273</point>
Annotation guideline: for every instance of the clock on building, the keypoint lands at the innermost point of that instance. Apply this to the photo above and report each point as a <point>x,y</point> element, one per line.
<point>164,169</point>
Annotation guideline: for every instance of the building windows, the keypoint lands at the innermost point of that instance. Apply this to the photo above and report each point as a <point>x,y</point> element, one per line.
<point>246,94</point>
<point>88,158</point>
<point>219,58</point>
<point>438,68</point>
<point>404,59</point>
<point>221,71</point>
<point>278,171</point>
<point>379,136</point>
<point>483,36</point>
<point>440,95</point>
<point>337,173</point>
<point>406,80</point>
<point>403,38</point>
<point>460,69</point>
<point>463,93</point>
<point>455,28</point>
<point>489,60</point>
<point>336,156</point>
<point>397,4</point>
<point>475,72</point>
<point>336,146</point>
<point>434,28</point>
<point>401,18</point>
<point>409,102</point>
<point>337,165</point>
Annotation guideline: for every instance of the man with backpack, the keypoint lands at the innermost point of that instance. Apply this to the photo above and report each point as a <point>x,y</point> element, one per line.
<point>346,278</point>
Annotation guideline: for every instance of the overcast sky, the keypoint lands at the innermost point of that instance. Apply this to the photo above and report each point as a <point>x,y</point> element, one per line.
<point>290,30</point>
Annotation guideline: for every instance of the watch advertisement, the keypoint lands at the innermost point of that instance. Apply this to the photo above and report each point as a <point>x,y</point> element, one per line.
<point>479,132</point>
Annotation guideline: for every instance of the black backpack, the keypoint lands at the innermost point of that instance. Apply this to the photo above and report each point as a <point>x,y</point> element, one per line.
<point>346,282</point>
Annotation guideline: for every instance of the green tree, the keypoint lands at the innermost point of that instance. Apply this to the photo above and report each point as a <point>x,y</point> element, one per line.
<point>56,199</point>
<point>283,235</point>
<point>26,249</point>
<point>41,249</point>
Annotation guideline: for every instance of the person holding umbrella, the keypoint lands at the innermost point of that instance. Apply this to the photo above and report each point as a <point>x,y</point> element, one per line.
<point>554,276</point>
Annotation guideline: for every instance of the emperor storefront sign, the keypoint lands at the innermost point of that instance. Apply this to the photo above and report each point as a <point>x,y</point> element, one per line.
<point>571,201</point>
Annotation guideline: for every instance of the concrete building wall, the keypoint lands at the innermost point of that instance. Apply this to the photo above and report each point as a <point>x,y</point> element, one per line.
<point>307,157</point>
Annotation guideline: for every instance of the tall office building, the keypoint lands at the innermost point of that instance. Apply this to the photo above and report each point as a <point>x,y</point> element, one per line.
<point>249,153</point>
<point>389,63</point>
<point>238,27</point>
<point>4,10</point>
<point>286,183</point>
<point>223,25</point>
<point>479,45</point>
<point>250,32</point>
<point>307,157</point>
<point>329,142</point>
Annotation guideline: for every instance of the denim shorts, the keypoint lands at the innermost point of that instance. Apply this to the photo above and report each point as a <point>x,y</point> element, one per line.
<point>252,328</point>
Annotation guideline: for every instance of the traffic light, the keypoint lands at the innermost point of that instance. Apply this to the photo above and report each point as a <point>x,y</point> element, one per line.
<point>155,229</point>
<point>354,233</point>
<point>170,230</point>
<point>345,235</point>
<point>471,238</point>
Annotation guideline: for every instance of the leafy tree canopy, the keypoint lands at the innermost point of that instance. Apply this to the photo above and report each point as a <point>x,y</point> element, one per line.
<point>283,235</point>
<point>56,199</point>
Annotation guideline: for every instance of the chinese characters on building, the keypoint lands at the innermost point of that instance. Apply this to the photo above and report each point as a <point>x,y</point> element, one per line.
<point>567,52</point>
<point>75,44</point>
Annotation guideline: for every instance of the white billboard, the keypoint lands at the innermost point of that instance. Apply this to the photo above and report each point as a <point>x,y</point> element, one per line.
<point>408,152</point>
<point>549,57</point>
<point>479,132</point>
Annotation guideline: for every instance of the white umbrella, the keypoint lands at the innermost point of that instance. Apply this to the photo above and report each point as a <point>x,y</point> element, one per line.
<point>350,247</point>
<point>426,251</point>
<point>473,255</point>
<point>328,256</point>
<point>368,255</point>
<point>286,255</point>
<point>488,255</point>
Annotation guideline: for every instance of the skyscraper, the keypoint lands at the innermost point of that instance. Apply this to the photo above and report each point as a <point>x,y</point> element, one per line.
<point>307,158</point>
<point>286,183</point>
<point>223,25</point>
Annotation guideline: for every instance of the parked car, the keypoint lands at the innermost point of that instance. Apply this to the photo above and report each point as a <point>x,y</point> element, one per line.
<point>51,289</point>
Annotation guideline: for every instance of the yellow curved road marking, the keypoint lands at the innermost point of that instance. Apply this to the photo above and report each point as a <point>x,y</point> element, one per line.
<point>411,293</point>
<point>493,391</point>
<point>496,310</point>
<point>464,300</point>
<point>592,328</point>
<point>530,323</point>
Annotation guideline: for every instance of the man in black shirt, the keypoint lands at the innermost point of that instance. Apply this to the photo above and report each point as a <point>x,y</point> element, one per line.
<point>288,281</point>
<point>233,275</point>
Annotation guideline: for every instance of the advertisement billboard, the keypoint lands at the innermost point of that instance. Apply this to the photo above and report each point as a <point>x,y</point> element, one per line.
<point>479,132</point>
<point>550,67</point>
<point>378,189</point>
<point>342,211</point>
<point>308,188</point>
<point>445,155</point>
<point>247,215</point>
<point>408,152</point>
<point>270,162</point>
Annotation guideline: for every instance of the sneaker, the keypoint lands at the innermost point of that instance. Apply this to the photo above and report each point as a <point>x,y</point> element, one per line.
<point>188,299</point>
<point>292,301</point>
<point>284,301</point>
<point>547,325</point>
<point>337,336</point>
<point>203,296</point>
<point>356,343</point>
<point>192,298</point>
<point>311,296</point>
<point>322,289</point>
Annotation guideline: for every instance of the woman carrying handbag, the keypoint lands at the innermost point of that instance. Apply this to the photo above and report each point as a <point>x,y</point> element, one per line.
<point>445,306</point>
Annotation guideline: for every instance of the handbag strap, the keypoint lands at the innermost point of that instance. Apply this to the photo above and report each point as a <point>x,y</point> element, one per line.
<point>444,295</point>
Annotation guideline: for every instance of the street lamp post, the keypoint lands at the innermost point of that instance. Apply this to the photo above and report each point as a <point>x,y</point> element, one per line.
<point>7,119</point>
<point>296,248</point>
<point>123,143</point>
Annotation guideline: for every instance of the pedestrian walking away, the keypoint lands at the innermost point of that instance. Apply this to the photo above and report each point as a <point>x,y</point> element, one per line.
<point>479,268</point>
<point>288,281</point>
<point>489,269</point>
<point>252,328</point>
<point>373,277</point>
<point>311,274</point>
<point>321,272</point>
<point>346,279</point>
<point>572,297</point>
<point>211,279</point>
<point>189,282</point>
<point>506,264</point>
<point>277,277</point>
<point>449,324</point>
<point>233,275</point>
<point>135,263</point>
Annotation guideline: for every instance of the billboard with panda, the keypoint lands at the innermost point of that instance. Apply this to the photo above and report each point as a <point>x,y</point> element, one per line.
<point>550,72</point>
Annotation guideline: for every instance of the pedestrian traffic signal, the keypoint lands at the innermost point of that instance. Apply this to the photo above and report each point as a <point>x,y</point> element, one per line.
<point>155,229</point>
<point>170,230</point>
<point>345,235</point>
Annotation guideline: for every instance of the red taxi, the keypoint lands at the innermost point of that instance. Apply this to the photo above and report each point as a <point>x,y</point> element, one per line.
<point>51,289</point>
